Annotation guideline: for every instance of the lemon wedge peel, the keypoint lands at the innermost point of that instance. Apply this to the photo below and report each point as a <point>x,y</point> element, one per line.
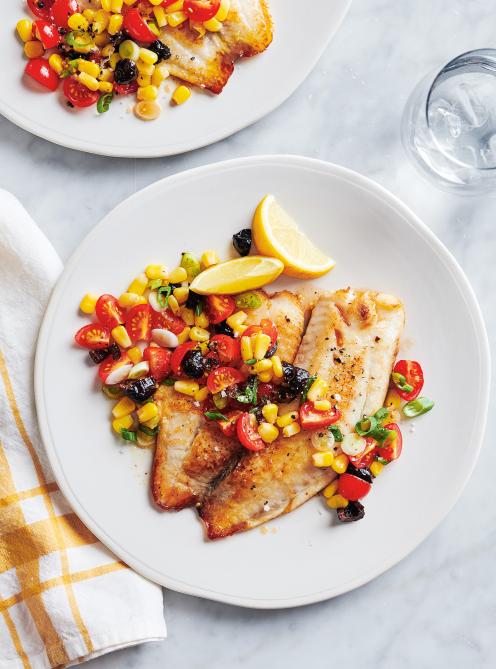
<point>237,276</point>
<point>276,234</point>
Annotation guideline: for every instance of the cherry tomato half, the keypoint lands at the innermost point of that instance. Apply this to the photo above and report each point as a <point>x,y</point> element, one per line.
<point>225,349</point>
<point>40,70</point>
<point>165,320</point>
<point>62,10</point>
<point>228,427</point>
<point>266,326</point>
<point>178,355</point>
<point>311,419</point>
<point>109,312</point>
<point>219,307</point>
<point>139,322</point>
<point>246,429</point>
<point>47,33</point>
<point>393,444</point>
<point>222,377</point>
<point>159,360</point>
<point>353,488</point>
<point>412,371</point>
<point>110,365</point>
<point>126,89</point>
<point>366,458</point>
<point>93,336</point>
<point>201,10</point>
<point>41,8</point>
<point>77,94</point>
<point>136,26</point>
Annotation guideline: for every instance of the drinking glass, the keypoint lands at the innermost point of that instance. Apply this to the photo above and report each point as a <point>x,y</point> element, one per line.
<point>449,123</point>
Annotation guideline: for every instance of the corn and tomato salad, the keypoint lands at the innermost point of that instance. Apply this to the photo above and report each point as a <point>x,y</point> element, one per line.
<point>100,49</point>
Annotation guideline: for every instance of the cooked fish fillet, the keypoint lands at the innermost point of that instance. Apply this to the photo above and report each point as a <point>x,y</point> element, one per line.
<point>191,452</point>
<point>351,341</point>
<point>208,61</point>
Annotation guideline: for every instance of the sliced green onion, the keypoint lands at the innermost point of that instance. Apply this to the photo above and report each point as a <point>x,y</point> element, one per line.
<point>103,104</point>
<point>163,295</point>
<point>154,284</point>
<point>366,426</point>
<point>417,407</point>
<point>149,431</point>
<point>304,394</point>
<point>251,300</point>
<point>129,49</point>
<point>128,435</point>
<point>215,415</point>
<point>168,382</point>
<point>251,361</point>
<point>198,308</point>
<point>336,432</point>
<point>220,401</point>
<point>191,265</point>
<point>401,383</point>
<point>114,392</point>
<point>381,414</point>
<point>383,461</point>
<point>380,434</point>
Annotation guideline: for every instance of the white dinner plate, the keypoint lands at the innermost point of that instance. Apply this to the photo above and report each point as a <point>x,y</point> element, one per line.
<point>305,556</point>
<point>258,86</point>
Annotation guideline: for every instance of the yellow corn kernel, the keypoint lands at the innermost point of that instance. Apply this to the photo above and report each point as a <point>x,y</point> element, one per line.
<point>148,56</point>
<point>213,25</point>
<point>152,423</point>
<point>393,400</point>
<point>277,367</point>
<point>78,21</point>
<point>199,334</point>
<point>181,294</point>
<point>287,418</point>
<point>246,348</point>
<point>106,5</point>
<point>209,258</point>
<point>124,407</point>
<point>108,50</point>
<point>175,7</point>
<point>123,423</point>
<point>291,430</point>
<point>268,432</point>
<point>120,335</point>
<point>160,16</point>
<point>376,468</point>
<point>154,28</point>
<point>144,80</point>
<point>160,73</point>
<point>188,316</point>
<point>198,27</point>
<point>148,93</point>
<point>187,387</point>
<point>131,300</point>
<point>238,318</point>
<point>201,395</point>
<point>262,366</point>
<point>88,303</point>
<point>105,87</point>
<point>115,24</point>
<point>88,66</point>
<point>178,275</point>
<point>100,40</point>
<point>322,405</point>
<point>174,305</point>
<point>130,2</point>
<point>323,458</point>
<point>113,60</point>
<point>147,412</point>
<point>223,10</point>
<point>394,416</point>
<point>239,329</point>
<point>262,344</point>
<point>202,320</point>
<point>89,14</point>
<point>116,6</point>
<point>337,502</point>
<point>102,17</point>
<point>24,29</point>
<point>340,464</point>
<point>33,49</point>
<point>87,80</point>
<point>145,68</point>
<point>106,75</point>
<point>138,285</point>
<point>181,95</point>
<point>265,377</point>
<point>156,272</point>
<point>183,336</point>
<point>318,390</point>
<point>269,412</point>
<point>331,489</point>
<point>176,18</point>
<point>135,355</point>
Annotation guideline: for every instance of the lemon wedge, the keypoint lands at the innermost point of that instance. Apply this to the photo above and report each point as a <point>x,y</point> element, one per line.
<point>276,234</point>
<point>237,276</point>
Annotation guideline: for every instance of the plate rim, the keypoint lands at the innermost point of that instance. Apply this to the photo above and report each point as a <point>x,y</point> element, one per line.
<point>463,284</point>
<point>57,137</point>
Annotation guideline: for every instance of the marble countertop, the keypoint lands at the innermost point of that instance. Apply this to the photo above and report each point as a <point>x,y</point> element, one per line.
<point>438,607</point>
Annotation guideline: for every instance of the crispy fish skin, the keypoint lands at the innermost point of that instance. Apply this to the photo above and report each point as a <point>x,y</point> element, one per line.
<point>208,61</point>
<point>191,451</point>
<point>351,342</point>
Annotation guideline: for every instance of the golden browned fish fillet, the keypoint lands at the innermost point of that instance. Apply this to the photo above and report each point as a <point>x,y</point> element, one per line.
<point>351,341</point>
<point>191,452</point>
<point>208,61</point>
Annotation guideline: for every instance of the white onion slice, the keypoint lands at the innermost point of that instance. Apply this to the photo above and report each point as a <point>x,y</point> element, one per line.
<point>322,440</point>
<point>118,375</point>
<point>140,369</point>
<point>165,338</point>
<point>353,444</point>
<point>153,301</point>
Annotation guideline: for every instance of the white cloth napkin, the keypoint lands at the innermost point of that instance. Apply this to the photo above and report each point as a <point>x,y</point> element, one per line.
<point>64,598</point>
